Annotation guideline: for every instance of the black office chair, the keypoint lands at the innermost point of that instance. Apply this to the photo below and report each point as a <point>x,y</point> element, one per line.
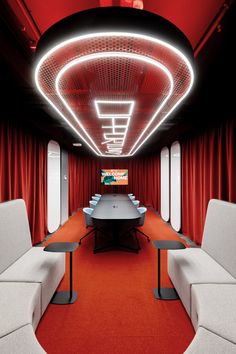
<point>136,203</point>
<point>89,222</point>
<point>96,198</point>
<point>92,204</point>
<point>96,227</point>
<point>142,211</point>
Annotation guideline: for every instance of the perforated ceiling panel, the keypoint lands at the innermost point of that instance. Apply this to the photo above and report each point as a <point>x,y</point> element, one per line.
<point>114,89</point>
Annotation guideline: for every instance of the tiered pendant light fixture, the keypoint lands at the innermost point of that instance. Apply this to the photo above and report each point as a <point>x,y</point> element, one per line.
<point>114,75</point>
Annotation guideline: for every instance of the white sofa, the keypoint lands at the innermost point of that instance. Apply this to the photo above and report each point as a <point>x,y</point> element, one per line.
<point>28,279</point>
<point>205,279</point>
<point>207,342</point>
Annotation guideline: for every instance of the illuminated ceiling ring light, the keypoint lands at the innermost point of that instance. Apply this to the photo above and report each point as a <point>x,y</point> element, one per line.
<point>116,43</point>
<point>110,55</point>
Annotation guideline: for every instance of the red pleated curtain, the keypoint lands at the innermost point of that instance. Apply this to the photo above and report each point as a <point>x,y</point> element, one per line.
<point>85,180</point>
<point>23,164</point>
<point>208,171</point>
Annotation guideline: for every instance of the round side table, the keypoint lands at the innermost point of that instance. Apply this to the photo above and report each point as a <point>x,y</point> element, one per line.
<point>165,293</point>
<point>64,297</point>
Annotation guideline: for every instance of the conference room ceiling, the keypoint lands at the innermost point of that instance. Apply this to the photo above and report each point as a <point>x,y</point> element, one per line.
<point>115,85</point>
<point>192,18</point>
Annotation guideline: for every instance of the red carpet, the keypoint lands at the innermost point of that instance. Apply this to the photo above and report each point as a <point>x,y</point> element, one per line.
<point>115,312</point>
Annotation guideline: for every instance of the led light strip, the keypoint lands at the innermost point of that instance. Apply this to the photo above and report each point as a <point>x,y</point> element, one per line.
<point>76,39</point>
<point>102,115</point>
<point>115,147</point>
<point>113,55</point>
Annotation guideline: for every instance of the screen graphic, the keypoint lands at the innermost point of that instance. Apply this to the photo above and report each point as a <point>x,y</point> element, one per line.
<point>114,177</point>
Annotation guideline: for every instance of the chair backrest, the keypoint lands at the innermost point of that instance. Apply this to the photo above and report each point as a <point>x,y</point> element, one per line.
<point>219,235</point>
<point>130,194</point>
<point>95,198</point>
<point>92,203</point>
<point>132,197</point>
<point>87,214</point>
<point>15,238</point>
<point>98,195</point>
<point>136,203</point>
<point>142,211</point>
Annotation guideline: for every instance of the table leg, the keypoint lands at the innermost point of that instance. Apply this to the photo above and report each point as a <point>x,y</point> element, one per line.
<point>115,241</point>
<point>163,293</point>
<point>71,276</point>
<point>66,297</point>
<point>159,272</point>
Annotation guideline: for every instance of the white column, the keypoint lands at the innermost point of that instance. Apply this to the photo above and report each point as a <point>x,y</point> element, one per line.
<point>165,184</point>
<point>175,199</point>
<point>53,186</point>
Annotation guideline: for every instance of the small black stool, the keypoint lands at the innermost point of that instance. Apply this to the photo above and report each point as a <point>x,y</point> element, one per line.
<point>165,293</point>
<point>63,297</point>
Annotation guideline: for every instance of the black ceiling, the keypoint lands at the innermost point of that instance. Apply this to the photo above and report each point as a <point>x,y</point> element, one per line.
<point>211,100</point>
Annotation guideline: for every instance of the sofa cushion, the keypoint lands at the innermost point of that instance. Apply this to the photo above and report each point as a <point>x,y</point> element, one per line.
<point>206,342</point>
<point>20,304</point>
<point>15,237</point>
<point>21,341</point>
<point>39,267</point>
<point>219,236</point>
<point>194,266</point>
<point>214,307</point>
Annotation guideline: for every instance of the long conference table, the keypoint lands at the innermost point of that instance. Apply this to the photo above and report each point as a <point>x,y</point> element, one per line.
<point>114,217</point>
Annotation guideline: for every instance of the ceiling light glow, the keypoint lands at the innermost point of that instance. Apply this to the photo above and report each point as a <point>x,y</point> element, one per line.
<point>98,103</point>
<point>115,138</point>
<point>112,145</point>
<point>96,56</point>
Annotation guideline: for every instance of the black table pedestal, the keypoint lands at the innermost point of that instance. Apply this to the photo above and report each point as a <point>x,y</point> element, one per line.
<point>159,292</point>
<point>165,294</point>
<point>64,297</point>
<point>115,216</point>
<point>116,237</point>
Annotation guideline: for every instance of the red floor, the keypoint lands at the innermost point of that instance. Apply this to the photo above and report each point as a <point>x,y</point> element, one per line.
<point>115,311</point>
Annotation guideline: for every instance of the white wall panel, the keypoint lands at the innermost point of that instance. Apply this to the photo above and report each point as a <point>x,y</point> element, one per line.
<point>175,199</point>
<point>165,184</point>
<point>64,187</point>
<point>53,186</point>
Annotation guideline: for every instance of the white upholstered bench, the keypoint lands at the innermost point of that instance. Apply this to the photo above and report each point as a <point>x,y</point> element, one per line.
<point>205,279</point>
<point>28,280</point>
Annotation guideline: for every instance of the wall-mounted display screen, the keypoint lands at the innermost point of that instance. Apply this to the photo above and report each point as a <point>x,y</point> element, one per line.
<point>114,177</point>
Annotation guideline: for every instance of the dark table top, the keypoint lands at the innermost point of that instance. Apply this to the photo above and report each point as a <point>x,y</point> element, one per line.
<point>61,247</point>
<point>168,245</point>
<point>114,197</point>
<point>115,207</point>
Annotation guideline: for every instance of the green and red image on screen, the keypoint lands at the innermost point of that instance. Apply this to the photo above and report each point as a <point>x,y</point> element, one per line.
<point>114,177</point>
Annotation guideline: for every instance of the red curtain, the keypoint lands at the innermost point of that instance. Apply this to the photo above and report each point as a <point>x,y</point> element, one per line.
<point>208,171</point>
<point>84,179</point>
<point>23,163</point>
